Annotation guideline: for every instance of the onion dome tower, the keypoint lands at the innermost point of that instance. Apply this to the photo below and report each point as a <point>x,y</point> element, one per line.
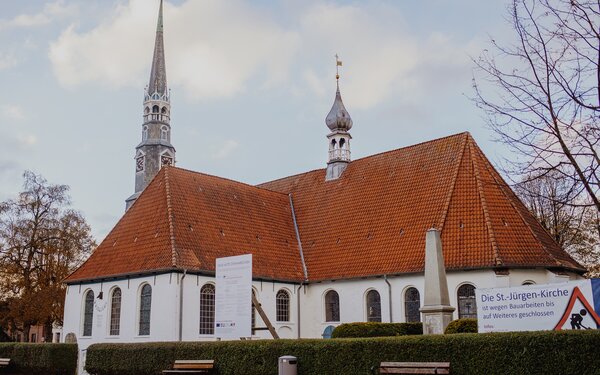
<point>339,123</point>
<point>155,150</point>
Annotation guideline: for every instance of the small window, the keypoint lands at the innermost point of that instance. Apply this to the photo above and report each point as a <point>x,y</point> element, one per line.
<point>342,142</point>
<point>163,110</point>
<point>282,306</point>
<point>412,305</point>
<point>33,337</point>
<point>144,133</point>
<point>145,308</point>
<point>332,306</point>
<point>155,109</point>
<point>333,143</point>
<point>115,312</point>
<point>207,310</point>
<point>88,313</point>
<point>467,306</point>
<point>164,133</point>
<point>528,282</point>
<point>373,306</point>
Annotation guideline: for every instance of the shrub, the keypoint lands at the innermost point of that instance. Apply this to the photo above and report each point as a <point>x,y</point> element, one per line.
<point>464,325</point>
<point>548,353</point>
<point>38,359</point>
<point>373,329</point>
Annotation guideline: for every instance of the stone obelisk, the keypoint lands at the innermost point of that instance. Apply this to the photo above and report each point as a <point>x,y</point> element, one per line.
<point>437,312</point>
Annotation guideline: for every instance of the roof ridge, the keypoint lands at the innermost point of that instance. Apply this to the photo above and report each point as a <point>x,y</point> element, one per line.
<point>482,199</point>
<point>512,204</point>
<point>302,259</point>
<point>229,180</point>
<point>170,218</point>
<point>370,156</point>
<point>453,184</point>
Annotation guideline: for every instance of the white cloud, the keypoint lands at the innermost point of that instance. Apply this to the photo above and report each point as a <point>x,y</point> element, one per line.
<point>7,61</point>
<point>27,140</point>
<point>51,11</point>
<point>226,149</point>
<point>13,112</point>
<point>215,48</point>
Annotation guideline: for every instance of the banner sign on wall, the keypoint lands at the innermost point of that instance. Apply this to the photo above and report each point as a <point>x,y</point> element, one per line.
<point>233,297</point>
<point>571,305</point>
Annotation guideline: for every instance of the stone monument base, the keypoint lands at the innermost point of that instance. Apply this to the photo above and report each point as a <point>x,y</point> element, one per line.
<point>436,319</point>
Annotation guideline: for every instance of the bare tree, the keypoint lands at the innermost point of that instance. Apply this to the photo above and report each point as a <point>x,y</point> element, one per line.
<point>42,240</point>
<point>572,226</point>
<point>544,99</point>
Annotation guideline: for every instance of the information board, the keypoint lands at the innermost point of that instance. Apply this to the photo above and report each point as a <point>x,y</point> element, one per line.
<point>233,297</point>
<point>571,305</point>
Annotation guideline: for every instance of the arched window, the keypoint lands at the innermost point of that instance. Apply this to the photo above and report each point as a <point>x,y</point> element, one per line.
<point>412,304</point>
<point>88,313</point>
<point>467,306</point>
<point>164,132</point>
<point>373,306</point>
<point>115,312</point>
<point>333,143</point>
<point>155,109</point>
<point>342,142</point>
<point>145,307</point>
<point>332,306</point>
<point>528,282</point>
<point>207,310</point>
<point>145,132</point>
<point>163,110</point>
<point>282,306</point>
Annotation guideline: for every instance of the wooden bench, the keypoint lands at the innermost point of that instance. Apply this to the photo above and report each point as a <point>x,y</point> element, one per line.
<point>201,366</point>
<point>414,368</point>
<point>4,362</point>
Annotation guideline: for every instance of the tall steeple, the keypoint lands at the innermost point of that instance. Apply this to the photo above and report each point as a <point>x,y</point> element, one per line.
<point>155,150</point>
<point>339,123</point>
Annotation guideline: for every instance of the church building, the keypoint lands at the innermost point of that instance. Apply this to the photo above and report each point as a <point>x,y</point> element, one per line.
<point>345,243</point>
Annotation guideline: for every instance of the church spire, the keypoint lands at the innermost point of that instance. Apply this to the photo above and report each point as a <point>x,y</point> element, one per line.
<point>158,74</point>
<point>339,122</point>
<point>155,149</point>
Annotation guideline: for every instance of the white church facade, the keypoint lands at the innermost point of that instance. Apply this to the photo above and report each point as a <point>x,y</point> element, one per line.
<point>344,243</point>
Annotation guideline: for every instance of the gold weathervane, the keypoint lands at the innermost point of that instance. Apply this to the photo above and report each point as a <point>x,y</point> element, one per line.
<point>338,63</point>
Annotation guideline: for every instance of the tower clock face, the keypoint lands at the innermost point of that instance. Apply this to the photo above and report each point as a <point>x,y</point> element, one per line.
<point>166,160</point>
<point>139,164</point>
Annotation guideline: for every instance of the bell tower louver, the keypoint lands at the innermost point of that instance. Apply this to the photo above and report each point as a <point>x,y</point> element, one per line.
<point>155,150</point>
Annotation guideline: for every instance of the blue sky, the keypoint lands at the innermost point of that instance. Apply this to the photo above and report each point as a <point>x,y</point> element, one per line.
<point>251,81</point>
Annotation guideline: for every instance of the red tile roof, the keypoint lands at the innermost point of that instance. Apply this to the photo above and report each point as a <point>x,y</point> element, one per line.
<point>184,220</point>
<point>370,221</point>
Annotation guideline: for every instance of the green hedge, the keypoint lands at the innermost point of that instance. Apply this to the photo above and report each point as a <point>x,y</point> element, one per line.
<point>465,325</point>
<point>39,359</point>
<point>548,353</point>
<point>373,329</point>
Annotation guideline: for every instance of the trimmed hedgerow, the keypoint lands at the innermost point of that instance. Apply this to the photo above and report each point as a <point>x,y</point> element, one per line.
<point>549,353</point>
<point>40,359</point>
<point>372,329</point>
<point>464,325</point>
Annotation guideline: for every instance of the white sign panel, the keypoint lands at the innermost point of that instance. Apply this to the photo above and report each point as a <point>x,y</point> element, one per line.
<point>571,305</point>
<point>233,297</point>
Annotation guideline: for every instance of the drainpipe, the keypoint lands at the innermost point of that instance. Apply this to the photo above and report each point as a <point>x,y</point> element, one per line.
<point>181,305</point>
<point>298,305</point>
<point>389,296</point>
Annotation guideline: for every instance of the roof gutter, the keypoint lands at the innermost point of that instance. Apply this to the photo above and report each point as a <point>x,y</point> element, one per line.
<point>385,278</point>
<point>298,238</point>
